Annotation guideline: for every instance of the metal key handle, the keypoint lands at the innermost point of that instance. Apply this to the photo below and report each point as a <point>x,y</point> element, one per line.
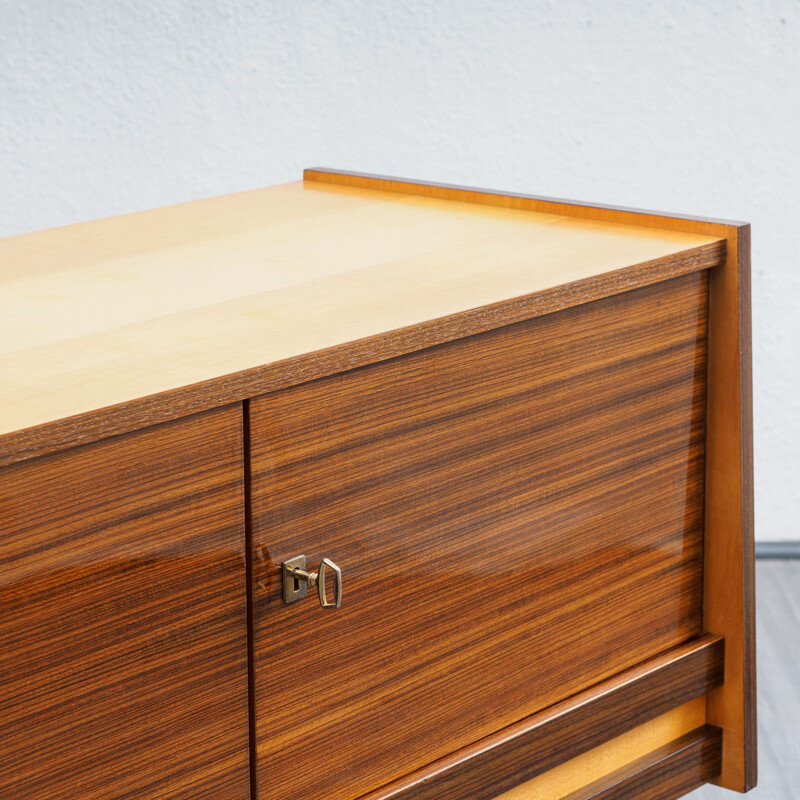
<point>296,581</point>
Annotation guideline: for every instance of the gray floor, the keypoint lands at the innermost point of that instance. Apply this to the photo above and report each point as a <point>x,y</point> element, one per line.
<point>778,645</point>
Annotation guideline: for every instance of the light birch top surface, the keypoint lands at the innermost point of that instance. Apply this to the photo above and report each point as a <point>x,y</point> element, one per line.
<point>101,313</point>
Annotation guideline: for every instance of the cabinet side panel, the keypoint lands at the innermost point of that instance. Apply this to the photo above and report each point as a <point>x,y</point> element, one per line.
<point>729,597</point>
<point>123,624</point>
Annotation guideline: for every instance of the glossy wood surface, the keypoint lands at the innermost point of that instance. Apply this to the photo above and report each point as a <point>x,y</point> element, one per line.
<point>604,726</point>
<point>111,325</point>
<point>518,515</point>
<point>666,774</point>
<point>123,667</point>
<point>729,586</point>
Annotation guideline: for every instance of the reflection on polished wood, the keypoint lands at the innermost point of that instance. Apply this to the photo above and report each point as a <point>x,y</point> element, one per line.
<point>123,626</point>
<point>517,515</point>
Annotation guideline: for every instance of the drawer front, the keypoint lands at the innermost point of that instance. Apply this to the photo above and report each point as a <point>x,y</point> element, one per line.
<point>517,516</point>
<point>123,624</point>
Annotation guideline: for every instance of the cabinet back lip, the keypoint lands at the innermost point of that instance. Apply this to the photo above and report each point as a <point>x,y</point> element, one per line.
<point>533,202</point>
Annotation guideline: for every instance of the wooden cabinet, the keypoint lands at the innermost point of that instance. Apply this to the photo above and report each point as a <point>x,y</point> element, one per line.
<point>520,428</point>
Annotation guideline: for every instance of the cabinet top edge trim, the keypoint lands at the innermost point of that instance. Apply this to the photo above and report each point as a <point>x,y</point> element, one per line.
<point>140,412</point>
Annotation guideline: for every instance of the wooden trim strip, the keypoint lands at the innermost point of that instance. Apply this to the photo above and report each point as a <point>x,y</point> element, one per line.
<point>155,409</point>
<point>564,731</point>
<point>729,584</point>
<point>665,774</point>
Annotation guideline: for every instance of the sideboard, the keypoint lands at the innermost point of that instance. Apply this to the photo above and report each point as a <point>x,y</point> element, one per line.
<point>360,488</point>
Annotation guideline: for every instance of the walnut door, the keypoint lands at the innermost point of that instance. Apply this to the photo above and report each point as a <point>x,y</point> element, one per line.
<point>517,515</point>
<point>123,618</point>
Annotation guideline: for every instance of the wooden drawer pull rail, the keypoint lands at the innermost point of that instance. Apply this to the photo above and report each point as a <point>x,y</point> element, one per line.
<point>670,771</point>
<point>544,740</point>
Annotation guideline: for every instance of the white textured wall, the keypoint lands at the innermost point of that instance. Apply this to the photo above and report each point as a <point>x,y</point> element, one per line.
<point>109,106</point>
